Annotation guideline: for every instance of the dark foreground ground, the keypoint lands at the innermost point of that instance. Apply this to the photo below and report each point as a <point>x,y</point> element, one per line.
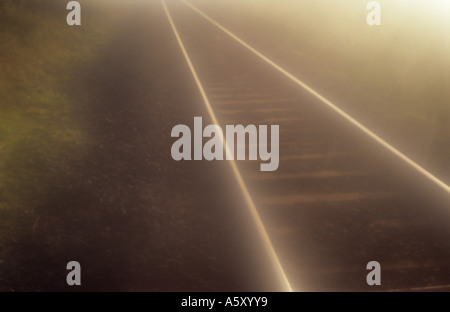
<point>134,218</point>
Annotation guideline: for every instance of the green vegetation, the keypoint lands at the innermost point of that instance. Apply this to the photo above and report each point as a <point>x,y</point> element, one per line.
<point>39,135</point>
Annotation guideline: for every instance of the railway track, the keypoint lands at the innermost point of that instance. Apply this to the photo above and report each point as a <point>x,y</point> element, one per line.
<point>339,199</point>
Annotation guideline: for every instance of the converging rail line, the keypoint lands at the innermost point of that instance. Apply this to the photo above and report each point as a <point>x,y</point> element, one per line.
<point>342,196</point>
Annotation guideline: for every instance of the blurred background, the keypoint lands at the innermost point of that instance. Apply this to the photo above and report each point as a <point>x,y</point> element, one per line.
<point>394,78</point>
